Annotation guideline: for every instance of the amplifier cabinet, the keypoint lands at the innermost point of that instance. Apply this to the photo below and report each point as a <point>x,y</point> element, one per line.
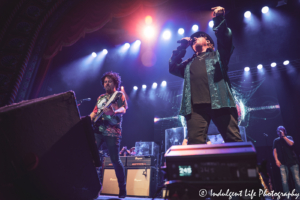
<point>107,161</point>
<point>110,182</point>
<point>141,181</point>
<point>136,161</point>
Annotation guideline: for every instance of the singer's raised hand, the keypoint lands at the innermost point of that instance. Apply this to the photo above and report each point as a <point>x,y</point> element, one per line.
<point>218,11</point>
<point>185,42</point>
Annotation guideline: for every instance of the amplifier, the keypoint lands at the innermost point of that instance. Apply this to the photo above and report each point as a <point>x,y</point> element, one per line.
<point>107,162</point>
<point>216,164</point>
<point>141,181</point>
<point>134,161</point>
<point>110,182</point>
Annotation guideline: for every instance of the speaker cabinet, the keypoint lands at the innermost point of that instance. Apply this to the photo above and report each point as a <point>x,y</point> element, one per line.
<point>110,182</point>
<point>141,182</point>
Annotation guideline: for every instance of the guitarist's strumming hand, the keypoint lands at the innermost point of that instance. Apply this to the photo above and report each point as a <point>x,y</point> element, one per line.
<point>108,111</point>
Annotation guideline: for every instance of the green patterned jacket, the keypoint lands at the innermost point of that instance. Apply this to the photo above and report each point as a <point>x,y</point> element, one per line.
<point>216,67</point>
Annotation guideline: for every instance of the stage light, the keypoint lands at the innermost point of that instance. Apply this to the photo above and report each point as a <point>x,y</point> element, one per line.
<point>149,31</point>
<point>122,88</point>
<point>144,86</point>
<point>273,64</point>
<point>94,54</point>
<point>246,69</point>
<point>211,23</point>
<point>135,87</point>
<point>286,62</point>
<point>247,14</point>
<point>156,119</point>
<point>195,28</point>
<point>259,66</point>
<point>181,31</point>
<point>265,9</point>
<point>127,45</point>
<point>164,83</point>
<point>154,85</point>
<point>105,51</point>
<point>166,35</point>
<point>138,42</point>
<point>148,19</point>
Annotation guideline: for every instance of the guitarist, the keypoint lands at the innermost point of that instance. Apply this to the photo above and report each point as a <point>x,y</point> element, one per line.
<point>108,127</point>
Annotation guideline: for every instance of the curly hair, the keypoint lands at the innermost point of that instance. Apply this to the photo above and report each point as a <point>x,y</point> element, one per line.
<point>114,76</point>
<point>281,128</point>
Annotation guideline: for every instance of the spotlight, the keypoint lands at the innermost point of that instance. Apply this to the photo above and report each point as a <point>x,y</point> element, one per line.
<point>144,86</point>
<point>135,87</point>
<point>148,19</point>
<point>265,9</point>
<point>164,83</point>
<point>154,85</point>
<point>247,14</point>
<point>259,66</point>
<point>273,64</point>
<point>149,31</point>
<point>211,23</point>
<point>138,42</point>
<point>166,35</point>
<point>122,88</point>
<point>94,54</point>
<point>286,62</point>
<point>195,27</point>
<point>181,31</point>
<point>127,45</point>
<point>246,69</point>
<point>105,51</point>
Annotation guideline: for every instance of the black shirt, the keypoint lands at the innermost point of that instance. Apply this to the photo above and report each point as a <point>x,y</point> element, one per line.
<point>199,82</point>
<point>285,152</point>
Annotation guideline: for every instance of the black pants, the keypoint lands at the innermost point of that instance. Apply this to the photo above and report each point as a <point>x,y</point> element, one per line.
<point>113,145</point>
<point>226,120</point>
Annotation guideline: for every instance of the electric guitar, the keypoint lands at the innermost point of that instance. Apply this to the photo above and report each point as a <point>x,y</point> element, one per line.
<point>95,122</point>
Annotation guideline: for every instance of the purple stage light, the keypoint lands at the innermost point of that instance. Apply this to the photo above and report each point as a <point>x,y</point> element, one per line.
<point>247,14</point>
<point>127,45</point>
<point>246,69</point>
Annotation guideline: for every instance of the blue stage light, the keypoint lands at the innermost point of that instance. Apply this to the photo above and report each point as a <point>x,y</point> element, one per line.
<point>246,69</point>
<point>154,85</point>
<point>273,64</point>
<point>166,34</point>
<point>164,83</point>
<point>144,86</point>
<point>94,54</point>
<point>135,87</point>
<point>211,24</point>
<point>181,31</point>
<point>105,51</point>
<point>286,62</point>
<point>259,66</point>
<point>265,9</point>
<point>127,45</point>
<point>195,28</point>
<point>247,14</point>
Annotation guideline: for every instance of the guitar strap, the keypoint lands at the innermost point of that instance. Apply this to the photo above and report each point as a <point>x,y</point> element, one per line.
<point>111,98</point>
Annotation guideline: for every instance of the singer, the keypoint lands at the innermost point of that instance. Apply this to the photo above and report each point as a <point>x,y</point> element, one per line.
<point>286,158</point>
<point>207,91</point>
<point>110,124</point>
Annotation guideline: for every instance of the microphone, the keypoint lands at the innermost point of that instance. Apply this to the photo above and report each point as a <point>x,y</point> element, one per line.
<point>182,41</point>
<point>82,100</point>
